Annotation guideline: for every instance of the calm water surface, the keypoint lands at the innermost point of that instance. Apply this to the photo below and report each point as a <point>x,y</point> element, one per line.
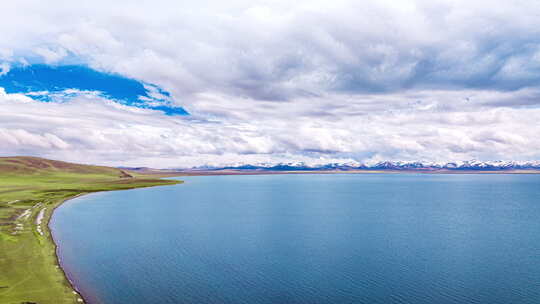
<point>371,238</point>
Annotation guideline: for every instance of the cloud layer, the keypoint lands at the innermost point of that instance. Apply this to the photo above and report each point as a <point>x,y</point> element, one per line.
<point>271,81</point>
<point>93,129</point>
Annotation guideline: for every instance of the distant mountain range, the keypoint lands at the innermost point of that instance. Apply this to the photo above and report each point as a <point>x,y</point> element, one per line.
<point>381,166</point>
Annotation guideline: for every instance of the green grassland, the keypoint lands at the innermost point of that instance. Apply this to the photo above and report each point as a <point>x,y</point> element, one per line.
<point>30,189</point>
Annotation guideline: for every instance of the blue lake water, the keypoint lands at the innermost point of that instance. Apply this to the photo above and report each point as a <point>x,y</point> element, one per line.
<point>369,238</point>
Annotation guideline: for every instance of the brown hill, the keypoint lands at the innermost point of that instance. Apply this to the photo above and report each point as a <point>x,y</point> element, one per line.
<point>27,165</point>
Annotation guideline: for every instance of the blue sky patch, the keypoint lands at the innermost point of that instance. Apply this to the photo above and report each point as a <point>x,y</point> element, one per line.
<point>50,83</point>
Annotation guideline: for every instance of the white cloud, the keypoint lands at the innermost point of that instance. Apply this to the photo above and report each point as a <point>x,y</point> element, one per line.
<point>4,68</point>
<point>275,50</point>
<point>93,129</point>
<point>49,55</point>
<point>271,80</point>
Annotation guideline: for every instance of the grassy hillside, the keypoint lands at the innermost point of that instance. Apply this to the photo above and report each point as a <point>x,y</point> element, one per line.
<point>30,189</point>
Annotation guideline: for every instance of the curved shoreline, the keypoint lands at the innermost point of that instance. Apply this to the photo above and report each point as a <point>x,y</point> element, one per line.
<point>74,287</point>
<point>57,258</point>
<point>30,258</point>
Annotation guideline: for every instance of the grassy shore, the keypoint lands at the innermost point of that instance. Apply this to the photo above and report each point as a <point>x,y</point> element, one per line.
<point>30,189</point>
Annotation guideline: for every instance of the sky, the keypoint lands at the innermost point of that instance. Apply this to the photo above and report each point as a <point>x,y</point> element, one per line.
<point>196,83</point>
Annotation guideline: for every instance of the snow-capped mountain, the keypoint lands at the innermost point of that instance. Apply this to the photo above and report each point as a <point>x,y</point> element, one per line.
<point>385,165</point>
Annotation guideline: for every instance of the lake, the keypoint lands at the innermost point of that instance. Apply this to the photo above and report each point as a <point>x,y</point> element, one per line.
<point>341,238</point>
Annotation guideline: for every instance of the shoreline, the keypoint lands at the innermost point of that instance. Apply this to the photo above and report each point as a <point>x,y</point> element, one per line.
<point>80,296</point>
<point>31,257</point>
<point>74,287</point>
